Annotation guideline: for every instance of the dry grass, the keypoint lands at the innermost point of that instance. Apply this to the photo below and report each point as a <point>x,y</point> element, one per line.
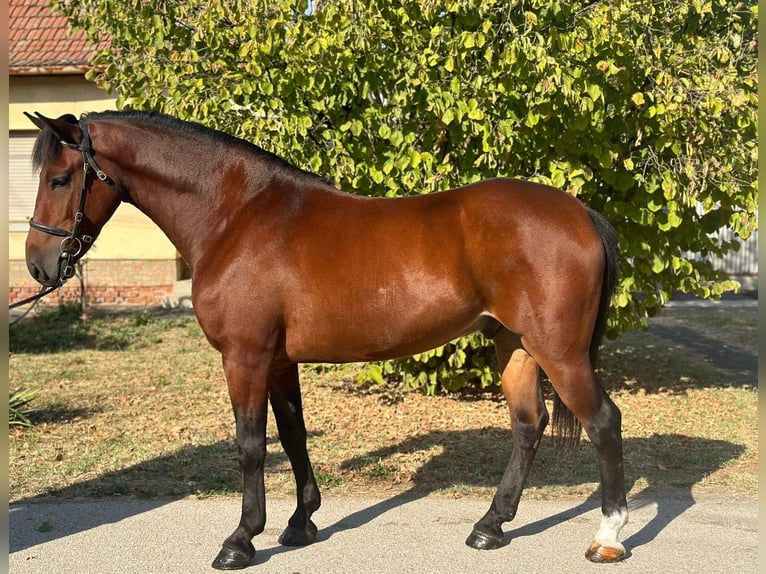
<point>136,405</point>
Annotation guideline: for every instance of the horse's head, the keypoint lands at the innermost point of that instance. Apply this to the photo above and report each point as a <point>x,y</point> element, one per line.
<point>73,202</point>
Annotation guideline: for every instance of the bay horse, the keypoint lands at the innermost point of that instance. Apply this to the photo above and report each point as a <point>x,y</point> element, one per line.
<point>286,269</point>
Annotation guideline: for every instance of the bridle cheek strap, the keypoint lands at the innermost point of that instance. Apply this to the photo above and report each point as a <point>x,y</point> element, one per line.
<point>88,160</point>
<point>71,245</point>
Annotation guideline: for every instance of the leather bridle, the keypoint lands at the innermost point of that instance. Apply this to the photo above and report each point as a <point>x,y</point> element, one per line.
<point>72,242</point>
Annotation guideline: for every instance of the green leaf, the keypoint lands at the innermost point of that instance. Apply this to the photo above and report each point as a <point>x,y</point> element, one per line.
<point>476,114</point>
<point>374,372</point>
<point>621,300</point>
<point>674,220</point>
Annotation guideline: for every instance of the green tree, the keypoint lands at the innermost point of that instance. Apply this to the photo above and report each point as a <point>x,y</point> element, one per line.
<point>645,109</point>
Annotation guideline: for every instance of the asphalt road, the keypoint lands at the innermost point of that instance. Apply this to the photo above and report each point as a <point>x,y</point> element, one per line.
<point>397,535</point>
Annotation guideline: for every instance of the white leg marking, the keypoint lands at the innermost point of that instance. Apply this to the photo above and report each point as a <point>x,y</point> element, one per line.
<point>609,530</point>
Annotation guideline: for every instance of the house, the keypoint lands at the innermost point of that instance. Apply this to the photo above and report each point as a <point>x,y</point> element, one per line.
<point>132,262</point>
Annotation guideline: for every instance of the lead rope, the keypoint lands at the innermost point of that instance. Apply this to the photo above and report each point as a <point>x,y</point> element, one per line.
<point>42,293</point>
<point>25,313</point>
<point>36,298</point>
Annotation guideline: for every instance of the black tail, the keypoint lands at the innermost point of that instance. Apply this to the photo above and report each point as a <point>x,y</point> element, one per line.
<point>566,427</point>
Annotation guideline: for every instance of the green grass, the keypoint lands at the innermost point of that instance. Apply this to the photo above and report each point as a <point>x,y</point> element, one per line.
<point>19,407</point>
<point>136,405</point>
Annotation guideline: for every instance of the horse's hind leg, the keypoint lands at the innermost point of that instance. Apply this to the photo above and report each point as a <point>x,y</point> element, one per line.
<point>575,382</point>
<point>285,397</point>
<point>529,418</point>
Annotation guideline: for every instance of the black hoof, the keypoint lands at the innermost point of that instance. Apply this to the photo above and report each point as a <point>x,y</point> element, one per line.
<point>483,541</point>
<point>234,558</point>
<point>293,536</point>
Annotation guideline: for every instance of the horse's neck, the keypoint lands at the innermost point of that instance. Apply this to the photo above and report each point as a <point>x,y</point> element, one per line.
<point>189,193</point>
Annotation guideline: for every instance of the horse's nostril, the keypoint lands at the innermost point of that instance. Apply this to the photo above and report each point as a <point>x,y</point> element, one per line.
<point>38,274</point>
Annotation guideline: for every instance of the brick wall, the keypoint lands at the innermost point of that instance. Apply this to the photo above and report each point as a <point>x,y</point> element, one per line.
<point>106,282</point>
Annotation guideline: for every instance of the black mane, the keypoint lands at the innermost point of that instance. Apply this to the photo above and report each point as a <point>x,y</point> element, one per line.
<point>47,147</point>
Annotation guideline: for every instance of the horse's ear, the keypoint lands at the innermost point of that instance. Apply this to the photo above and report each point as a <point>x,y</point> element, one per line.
<point>37,121</point>
<point>66,127</point>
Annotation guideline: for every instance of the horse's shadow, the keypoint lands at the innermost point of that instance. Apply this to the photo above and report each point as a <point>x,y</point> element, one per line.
<point>441,472</point>
<point>645,463</point>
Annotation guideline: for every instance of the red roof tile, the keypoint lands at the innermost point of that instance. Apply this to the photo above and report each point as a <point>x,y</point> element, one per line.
<point>38,38</point>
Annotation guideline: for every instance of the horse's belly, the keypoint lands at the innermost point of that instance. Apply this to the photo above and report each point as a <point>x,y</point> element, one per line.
<point>370,331</point>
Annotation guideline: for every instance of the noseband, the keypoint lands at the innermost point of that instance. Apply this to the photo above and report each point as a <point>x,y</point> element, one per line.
<point>72,242</point>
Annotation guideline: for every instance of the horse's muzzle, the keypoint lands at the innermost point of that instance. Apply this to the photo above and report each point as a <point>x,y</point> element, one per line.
<point>40,275</point>
<point>44,267</point>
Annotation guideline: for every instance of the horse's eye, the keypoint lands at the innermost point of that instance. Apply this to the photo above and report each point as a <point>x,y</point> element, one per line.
<point>60,182</point>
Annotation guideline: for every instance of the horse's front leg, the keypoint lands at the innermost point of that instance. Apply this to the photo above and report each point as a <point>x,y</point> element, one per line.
<point>248,392</point>
<point>285,396</point>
